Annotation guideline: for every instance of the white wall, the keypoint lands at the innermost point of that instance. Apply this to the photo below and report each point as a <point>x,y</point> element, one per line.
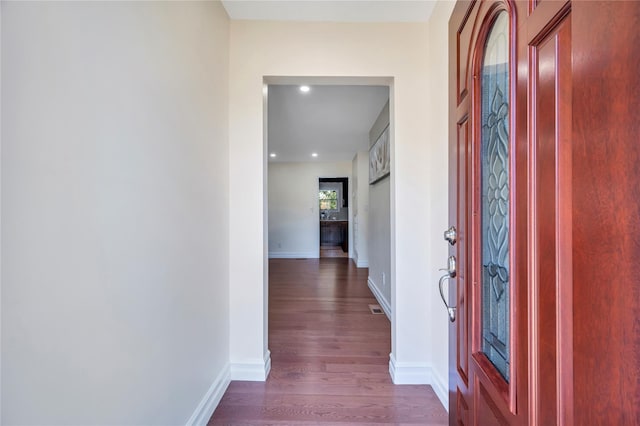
<point>380,242</point>
<point>360,208</point>
<point>396,51</point>
<point>294,219</point>
<point>114,211</point>
<point>437,166</point>
<point>380,225</point>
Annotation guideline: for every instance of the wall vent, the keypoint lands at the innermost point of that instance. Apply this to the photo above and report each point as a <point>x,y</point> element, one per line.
<point>376,309</point>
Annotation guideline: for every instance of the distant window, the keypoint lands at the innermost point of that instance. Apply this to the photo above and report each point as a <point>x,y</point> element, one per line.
<point>328,200</point>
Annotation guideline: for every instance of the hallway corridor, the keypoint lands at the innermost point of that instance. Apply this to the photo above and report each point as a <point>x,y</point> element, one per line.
<point>330,356</point>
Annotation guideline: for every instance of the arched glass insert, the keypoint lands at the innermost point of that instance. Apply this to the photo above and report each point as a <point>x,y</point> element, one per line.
<point>495,195</point>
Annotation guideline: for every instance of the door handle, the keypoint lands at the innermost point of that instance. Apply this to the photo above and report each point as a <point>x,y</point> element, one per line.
<point>450,273</point>
<point>451,267</point>
<point>451,235</point>
<point>451,310</point>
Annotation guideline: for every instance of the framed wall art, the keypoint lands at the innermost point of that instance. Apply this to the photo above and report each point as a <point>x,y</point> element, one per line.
<point>380,158</point>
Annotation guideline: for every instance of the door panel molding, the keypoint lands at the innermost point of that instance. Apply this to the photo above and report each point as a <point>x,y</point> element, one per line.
<point>470,369</point>
<point>575,93</point>
<point>485,20</point>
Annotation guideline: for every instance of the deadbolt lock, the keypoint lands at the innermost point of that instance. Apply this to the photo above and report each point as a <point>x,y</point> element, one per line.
<point>450,235</point>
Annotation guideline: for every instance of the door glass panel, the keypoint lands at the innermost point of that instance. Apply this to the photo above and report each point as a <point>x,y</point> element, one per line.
<point>495,195</point>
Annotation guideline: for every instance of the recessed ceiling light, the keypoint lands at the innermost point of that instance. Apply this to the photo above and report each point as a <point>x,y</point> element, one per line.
<point>304,89</point>
<point>314,154</point>
<point>273,154</point>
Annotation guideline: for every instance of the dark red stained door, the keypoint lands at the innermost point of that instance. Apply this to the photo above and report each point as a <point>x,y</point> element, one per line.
<point>573,223</point>
<point>488,365</point>
<point>606,212</point>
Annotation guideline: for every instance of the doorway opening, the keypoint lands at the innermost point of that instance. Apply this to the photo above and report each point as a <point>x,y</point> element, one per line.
<point>333,205</point>
<point>318,135</point>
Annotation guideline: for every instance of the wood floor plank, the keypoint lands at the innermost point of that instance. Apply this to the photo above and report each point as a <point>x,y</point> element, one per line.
<point>330,356</point>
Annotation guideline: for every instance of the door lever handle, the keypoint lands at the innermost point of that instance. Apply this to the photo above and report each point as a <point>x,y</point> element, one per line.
<point>451,267</point>
<point>451,310</point>
<point>450,273</point>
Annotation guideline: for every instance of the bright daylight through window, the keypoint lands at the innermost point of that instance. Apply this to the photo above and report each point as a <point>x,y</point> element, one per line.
<point>328,199</point>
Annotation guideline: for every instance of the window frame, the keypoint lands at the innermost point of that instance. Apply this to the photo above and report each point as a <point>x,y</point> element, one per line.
<point>330,186</point>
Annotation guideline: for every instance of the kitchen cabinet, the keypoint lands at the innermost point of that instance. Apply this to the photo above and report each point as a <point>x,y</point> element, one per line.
<point>335,233</point>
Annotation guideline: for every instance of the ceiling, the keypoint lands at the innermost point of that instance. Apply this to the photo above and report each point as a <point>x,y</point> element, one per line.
<point>331,121</point>
<point>331,10</point>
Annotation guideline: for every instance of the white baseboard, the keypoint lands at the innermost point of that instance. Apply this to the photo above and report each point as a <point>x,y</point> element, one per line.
<point>406,373</point>
<point>384,304</point>
<point>409,373</point>
<point>293,255</point>
<point>441,388</point>
<point>362,263</point>
<point>257,371</point>
<point>211,399</point>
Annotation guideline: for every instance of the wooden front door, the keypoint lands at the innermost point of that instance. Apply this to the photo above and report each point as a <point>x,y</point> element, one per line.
<point>488,190</point>
<point>528,146</point>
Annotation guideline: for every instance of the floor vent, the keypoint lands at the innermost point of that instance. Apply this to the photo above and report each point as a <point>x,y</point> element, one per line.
<point>376,309</point>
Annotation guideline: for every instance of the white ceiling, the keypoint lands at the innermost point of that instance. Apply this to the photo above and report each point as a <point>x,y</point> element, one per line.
<point>332,121</point>
<point>331,10</point>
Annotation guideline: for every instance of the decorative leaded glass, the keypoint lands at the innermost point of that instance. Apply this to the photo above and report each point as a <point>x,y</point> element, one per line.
<point>495,196</point>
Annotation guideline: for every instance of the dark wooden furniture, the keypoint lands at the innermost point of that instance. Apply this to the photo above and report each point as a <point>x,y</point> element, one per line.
<point>335,233</point>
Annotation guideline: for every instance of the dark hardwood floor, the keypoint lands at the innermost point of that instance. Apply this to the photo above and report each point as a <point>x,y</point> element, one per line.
<point>332,251</point>
<point>330,356</point>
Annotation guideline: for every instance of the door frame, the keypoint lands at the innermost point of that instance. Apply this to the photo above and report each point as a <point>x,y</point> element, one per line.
<point>334,81</point>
